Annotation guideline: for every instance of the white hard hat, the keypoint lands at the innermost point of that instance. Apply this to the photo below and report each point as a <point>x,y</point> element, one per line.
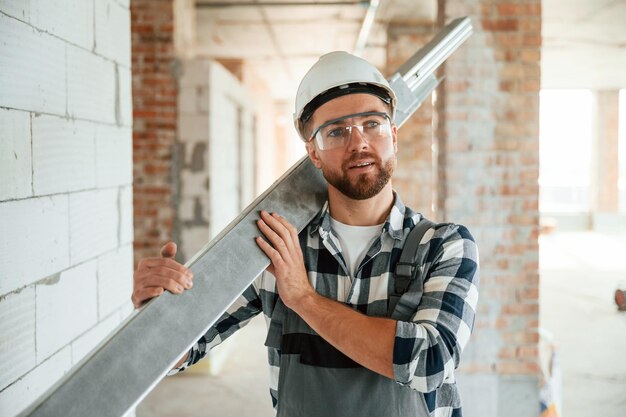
<point>336,74</point>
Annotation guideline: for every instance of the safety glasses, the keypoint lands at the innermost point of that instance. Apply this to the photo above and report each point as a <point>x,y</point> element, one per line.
<point>336,133</point>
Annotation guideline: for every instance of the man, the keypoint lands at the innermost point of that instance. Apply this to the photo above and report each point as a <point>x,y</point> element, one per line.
<point>334,348</point>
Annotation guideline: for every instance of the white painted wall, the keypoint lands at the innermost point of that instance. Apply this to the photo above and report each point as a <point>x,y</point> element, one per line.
<point>66,256</point>
<point>231,148</point>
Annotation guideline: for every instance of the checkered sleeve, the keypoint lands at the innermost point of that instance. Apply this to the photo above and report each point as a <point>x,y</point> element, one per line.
<point>427,348</point>
<point>245,307</point>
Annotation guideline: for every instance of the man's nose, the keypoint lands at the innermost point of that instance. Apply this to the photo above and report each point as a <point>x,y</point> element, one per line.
<point>357,139</point>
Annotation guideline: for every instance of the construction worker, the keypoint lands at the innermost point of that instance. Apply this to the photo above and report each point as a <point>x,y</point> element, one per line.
<point>338,344</point>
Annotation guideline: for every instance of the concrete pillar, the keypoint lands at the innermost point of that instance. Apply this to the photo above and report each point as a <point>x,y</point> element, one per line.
<point>488,139</point>
<point>605,165</point>
<point>414,178</point>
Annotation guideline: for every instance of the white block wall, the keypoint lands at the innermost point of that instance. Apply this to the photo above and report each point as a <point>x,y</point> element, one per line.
<point>66,258</point>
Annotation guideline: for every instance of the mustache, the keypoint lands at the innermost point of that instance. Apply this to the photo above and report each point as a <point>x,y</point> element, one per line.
<point>361,155</point>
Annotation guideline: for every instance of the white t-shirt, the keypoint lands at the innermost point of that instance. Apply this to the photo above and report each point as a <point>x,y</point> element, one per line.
<point>355,242</point>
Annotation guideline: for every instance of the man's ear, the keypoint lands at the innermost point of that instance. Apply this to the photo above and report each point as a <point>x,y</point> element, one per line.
<point>394,136</point>
<point>312,150</point>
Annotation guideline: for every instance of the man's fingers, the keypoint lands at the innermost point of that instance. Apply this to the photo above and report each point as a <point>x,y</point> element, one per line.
<point>168,250</point>
<point>155,275</point>
<point>291,229</point>
<point>169,284</point>
<point>166,271</point>
<point>155,287</point>
<point>271,253</point>
<point>276,240</point>
<point>272,220</point>
<point>167,262</point>
<point>159,277</point>
<point>142,295</point>
<point>291,235</point>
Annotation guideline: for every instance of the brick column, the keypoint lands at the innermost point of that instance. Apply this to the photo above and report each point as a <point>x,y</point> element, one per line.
<point>488,136</point>
<point>414,177</point>
<point>154,123</point>
<point>605,142</point>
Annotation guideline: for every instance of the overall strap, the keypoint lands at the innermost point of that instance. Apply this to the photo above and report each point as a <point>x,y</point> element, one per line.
<point>408,266</point>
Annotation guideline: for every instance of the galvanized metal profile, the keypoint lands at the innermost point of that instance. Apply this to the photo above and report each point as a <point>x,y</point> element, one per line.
<point>416,78</point>
<point>118,374</point>
<point>435,52</point>
<point>124,368</point>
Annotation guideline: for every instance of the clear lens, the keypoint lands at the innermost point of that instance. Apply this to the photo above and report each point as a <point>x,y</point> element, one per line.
<point>373,126</point>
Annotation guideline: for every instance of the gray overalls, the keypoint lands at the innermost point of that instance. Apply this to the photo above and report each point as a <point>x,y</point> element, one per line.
<point>317,380</point>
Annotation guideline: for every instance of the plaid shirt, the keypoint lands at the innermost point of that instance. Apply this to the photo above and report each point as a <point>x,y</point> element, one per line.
<point>427,347</point>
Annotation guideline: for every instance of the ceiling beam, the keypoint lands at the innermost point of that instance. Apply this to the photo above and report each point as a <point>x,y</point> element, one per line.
<point>366,27</point>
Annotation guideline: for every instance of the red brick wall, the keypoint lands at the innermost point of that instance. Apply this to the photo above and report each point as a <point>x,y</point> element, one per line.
<point>414,177</point>
<point>154,123</point>
<point>488,179</point>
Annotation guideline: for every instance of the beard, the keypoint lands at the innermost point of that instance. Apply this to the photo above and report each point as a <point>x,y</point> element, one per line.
<point>365,185</point>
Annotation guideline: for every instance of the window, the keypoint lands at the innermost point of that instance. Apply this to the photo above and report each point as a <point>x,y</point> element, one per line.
<point>621,185</point>
<point>565,132</point>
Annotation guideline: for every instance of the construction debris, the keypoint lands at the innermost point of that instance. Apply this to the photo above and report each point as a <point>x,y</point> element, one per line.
<point>620,299</point>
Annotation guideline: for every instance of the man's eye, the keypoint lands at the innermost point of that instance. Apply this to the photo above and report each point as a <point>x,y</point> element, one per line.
<point>371,124</point>
<point>335,133</point>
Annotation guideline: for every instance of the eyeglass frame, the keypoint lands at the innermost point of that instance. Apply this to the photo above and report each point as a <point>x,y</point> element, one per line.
<point>363,114</point>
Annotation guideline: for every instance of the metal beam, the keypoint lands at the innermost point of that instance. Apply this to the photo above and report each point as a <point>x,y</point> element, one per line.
<point>416,78</point>
<point>117,375</point>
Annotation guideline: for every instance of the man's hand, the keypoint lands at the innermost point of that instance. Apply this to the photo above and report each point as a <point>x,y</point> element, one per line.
<point>155,275</point>
<point>367,340</point>
<point>285,254</point>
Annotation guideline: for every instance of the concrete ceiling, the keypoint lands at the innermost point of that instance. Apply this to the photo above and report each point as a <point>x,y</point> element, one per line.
<point>584,41</point>
<point>285,37</point>
<point>584,44</point>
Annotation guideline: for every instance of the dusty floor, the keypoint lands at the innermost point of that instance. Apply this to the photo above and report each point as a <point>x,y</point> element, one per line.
<point>239,390</point>
<point>579,273</point>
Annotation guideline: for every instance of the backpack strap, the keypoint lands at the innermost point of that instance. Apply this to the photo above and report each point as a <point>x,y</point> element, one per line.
<point>408,267</point>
